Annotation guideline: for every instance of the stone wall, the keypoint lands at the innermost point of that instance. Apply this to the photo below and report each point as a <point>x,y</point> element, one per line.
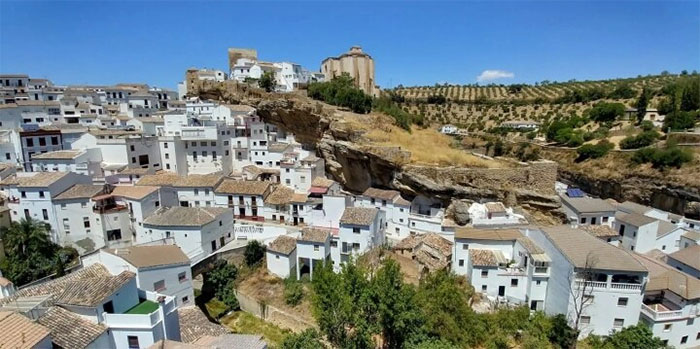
<point>272,314</point>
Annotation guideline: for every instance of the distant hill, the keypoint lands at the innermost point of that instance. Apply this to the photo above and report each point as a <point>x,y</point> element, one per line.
<point>487,106</point>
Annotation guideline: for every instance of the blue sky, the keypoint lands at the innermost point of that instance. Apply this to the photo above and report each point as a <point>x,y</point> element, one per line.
<point>413,43</point>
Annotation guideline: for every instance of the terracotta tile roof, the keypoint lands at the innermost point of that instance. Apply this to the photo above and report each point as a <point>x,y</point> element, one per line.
<point>134,192</point>
<point>689,256</point>
<point>232,186</point>
<point>530,245</point>
<point>432,240</point>
<point>402,202</point>
<point>58,155</point>
<point>299,198</point>
<point>151,256</point>
<point>600,231</point>
<point>634,219</point>
<point>17,331</point>
<point>486,258</point>
<point>322,182</point>
<point>171,344</point>
<point>277,147</point>
<point>194,324</point>
<point>633,207</point>
<point>5,282</point>
<point>358,215</point>
<point>177,216</point>
<point>495,207</point>
<point>283,244</point>
<point>314,235</point>
<point>487,234</point>
<point>34,179</point>
<point>233,341</point>
<point>430,261</point>
<point>80,191</point>
<point>281,195</point>
<point>70,330</point>
<point>173,180</point>
<point>588,205</point>
<point>135,171</point>
<point>382,194</point>
<point>91,292</point>
<point>577,246</point>
<point>692,235</point>
<point>664,277</point>
<point>57,287</point>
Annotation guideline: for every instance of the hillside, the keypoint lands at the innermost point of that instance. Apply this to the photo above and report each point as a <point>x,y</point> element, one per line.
<point>484,107</point>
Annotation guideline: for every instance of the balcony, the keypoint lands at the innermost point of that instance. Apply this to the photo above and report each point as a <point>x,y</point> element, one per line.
<point>660,312</point>
<point>612,286</point>
<point>144,315</point>
<point>105,209</point>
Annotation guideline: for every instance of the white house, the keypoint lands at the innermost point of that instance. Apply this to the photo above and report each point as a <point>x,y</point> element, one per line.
<point>141,202</point>
<point>686,260</point>
<point>448,129</point>
<point>503,264</point>
<point>587,210</point>
<point>164,269</point>
<point>493,215</point>
<point>199,231</point>
<point>281,256</point>
<point>671,305</point>
<point>247,198</point>
<point>94,308</point>
<point>642,233</point>
<point>595,284</point>
<point>30,195</point>
<point>313,250</point>
<point>361,229</point>
<point>86,162</point>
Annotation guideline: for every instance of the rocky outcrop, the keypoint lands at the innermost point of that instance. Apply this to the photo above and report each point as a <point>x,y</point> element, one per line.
<point>359,165</point>
<point>652,191</point>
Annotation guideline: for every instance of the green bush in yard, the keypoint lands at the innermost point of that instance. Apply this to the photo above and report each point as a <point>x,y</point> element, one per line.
<point>594,151</point>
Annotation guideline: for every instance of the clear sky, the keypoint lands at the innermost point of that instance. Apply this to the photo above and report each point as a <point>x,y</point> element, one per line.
<point>413,43</point>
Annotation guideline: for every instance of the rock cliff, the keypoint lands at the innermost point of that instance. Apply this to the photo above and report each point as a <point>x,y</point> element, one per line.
<point>358,165</point>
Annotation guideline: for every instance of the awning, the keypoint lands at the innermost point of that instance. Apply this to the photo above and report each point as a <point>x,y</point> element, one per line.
<point>318,190</point>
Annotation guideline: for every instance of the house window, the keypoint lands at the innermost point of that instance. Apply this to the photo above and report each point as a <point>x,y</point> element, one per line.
<point>622,302</point>
<point>23,194</point>
<point>538,282</point>
<point>45,213</point>
<point>334,244</point>
<point>622,230</point>
<point>159,285</point>
<point>585,320</point>
<point>484,273</point>
<point>618,323</point>
<point>605,219</point>
<point>316,247</point>
<point>513,282</point>
<point>86,222</point>
<point>165,145</point>
<point>668,327</point>
<point>465,246</point>
<point>41,193</point>
<point>63,206</point>
<point>182,277</point>
<point>356,230</point>
<point>66,225</point>
<point>133,342</point>
<point>167,156</point>
<point>684,339</point>
<point>461,262</point>
<point>592,220</point>
<point>157,203</point>
<point>185,299</point>
<point>484,288</point>
<point>583,220</point>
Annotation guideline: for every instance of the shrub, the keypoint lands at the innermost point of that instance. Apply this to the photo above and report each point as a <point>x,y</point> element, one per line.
<point>672,156</point>
<point>680,120</point>
<point>643,139</point>
<point>606,111</point>
<point>341,91</point>
<point>594,151</point>
<point>436,99</point>
<point>254,252</point>
<point>647,125</point>
<point>293,292</point>
<point>267,81</point>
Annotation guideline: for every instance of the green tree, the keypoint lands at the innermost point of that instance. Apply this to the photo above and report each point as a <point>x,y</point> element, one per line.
<point>633,337</point>
<point>641,105</point>
<point>267,81</point>
<point>643,139</point>
<point>341,91</point>
<point>397,312</point>
<point>604,111</point>
<point>561,333</point>
<point>680,120</point>
<point>308,339</point>
<point>30,254</point>
<point>594,151</point>
<point>690,98</point>
<point>218,278</point>
<point>254,252</point>
<point>293,292</point>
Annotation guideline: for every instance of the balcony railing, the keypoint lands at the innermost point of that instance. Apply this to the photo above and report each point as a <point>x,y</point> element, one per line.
<point>612,286</point>
<point>108,209</point>
<point>661,315</point>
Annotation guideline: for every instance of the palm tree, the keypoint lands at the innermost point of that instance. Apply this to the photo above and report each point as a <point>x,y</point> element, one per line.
<point>30,252</point>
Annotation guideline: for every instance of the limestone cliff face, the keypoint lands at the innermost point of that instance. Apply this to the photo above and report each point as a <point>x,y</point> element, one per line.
<point>358,166</point>
<point>652,191</point>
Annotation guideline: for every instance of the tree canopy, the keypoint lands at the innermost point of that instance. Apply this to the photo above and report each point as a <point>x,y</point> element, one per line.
<point>341,91</point>
<point>31,254</point>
